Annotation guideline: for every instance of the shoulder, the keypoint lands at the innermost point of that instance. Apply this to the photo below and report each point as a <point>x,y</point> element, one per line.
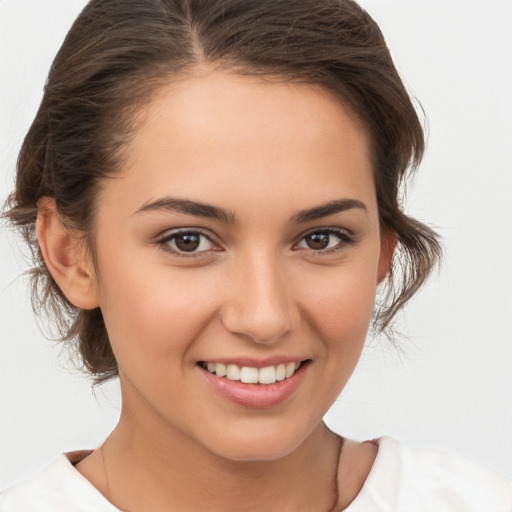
<point>57,488</point>
<point>410,479</point>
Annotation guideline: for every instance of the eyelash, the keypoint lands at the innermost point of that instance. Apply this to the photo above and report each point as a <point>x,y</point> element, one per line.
<point>344,239</point>
<point>167,238</point>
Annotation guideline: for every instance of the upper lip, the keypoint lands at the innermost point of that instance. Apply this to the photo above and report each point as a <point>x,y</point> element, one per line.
<point>253,362</point>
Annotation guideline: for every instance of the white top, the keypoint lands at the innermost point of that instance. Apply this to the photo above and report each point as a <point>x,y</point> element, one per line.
<point>402,479</point>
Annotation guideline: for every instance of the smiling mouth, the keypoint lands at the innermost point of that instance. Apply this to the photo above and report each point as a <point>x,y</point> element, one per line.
<point>251,375</point>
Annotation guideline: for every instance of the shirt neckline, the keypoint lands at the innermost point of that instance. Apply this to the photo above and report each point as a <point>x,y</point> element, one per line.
<point>70,459</point>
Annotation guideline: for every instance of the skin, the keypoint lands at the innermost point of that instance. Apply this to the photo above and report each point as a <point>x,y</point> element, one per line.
<point>263,151</point>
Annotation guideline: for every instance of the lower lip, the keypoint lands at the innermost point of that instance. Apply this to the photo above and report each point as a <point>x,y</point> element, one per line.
<point>256,396</point>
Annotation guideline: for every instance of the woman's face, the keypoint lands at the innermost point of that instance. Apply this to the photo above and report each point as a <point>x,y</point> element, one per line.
<point>242,235</point>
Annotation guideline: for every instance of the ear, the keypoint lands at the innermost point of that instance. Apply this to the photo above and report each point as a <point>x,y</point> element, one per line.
<point>389,239</point>
<point>66,256</point>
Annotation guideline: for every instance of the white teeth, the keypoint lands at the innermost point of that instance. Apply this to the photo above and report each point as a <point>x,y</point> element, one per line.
<point>290,368</point>
<point>232,372</point>
<point>267,375</point>
<point>250,375</point>
<point>280,372</point>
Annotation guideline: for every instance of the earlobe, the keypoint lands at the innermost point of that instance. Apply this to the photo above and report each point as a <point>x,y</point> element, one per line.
<point>66,256</point>
<point>389,240</point>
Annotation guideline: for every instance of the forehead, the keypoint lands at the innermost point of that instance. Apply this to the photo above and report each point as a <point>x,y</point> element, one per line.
<point>217,136</point>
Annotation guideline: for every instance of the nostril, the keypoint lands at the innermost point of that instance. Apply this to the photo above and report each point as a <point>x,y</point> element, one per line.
<point>265,329</point>
<point>260,309</point>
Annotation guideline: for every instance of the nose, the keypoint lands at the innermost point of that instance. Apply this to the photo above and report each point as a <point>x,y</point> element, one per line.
<point>261,304</point>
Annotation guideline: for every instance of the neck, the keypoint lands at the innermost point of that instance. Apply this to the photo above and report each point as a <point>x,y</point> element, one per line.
<point>165,470</point>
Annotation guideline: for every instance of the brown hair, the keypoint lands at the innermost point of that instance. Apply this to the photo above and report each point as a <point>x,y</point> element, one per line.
<point>118,52</point>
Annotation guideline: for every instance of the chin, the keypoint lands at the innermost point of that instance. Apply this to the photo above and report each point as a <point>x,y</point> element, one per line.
<point>251,452</point>
<point>259,443</point>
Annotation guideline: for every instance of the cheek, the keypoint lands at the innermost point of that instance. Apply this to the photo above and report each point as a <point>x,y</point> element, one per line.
<point>341,309</point>
<point>157,312</point>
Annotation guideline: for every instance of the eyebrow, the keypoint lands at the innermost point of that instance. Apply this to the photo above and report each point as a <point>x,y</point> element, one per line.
<point>330,208</point>
<point>209,211</point>
<point>190,208</point>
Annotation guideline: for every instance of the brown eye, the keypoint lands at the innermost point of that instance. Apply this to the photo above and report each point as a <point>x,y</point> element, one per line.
<point>188,242</point>
<point>317,241</point>
<point>326,240</point>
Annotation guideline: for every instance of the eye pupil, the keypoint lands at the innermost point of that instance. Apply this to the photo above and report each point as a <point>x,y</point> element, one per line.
<point>318,240</point>
<point>188,242</point>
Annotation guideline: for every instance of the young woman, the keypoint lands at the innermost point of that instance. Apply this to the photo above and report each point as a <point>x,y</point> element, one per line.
<point>211,193</point>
